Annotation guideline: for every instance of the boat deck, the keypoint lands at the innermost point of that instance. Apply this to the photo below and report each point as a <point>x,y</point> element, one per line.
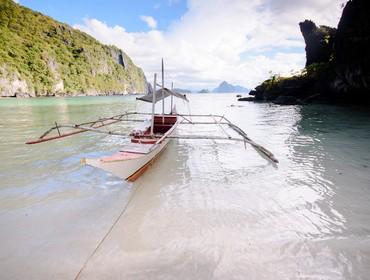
<point>137,148</point>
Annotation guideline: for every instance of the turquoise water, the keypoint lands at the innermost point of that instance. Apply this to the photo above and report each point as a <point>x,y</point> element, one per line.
<point>205,209</point>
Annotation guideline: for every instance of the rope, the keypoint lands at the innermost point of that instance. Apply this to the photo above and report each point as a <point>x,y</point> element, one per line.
<point>105,236</point>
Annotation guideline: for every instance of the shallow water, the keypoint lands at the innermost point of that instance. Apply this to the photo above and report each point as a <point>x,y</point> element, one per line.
<point>204,210</point>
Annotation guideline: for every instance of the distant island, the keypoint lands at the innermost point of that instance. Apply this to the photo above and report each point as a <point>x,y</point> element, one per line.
<point>225,87</point>
<point>337,66</point>
<point>42,57</point>
<point>181,90</point>
<point>204,91</point>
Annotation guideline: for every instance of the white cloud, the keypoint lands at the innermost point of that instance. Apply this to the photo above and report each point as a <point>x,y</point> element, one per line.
<point>173,2</point>
<point>150,21</point>
<point>240,41</point>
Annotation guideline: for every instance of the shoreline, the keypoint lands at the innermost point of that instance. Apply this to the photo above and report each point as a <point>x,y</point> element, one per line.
<point>64,95</point>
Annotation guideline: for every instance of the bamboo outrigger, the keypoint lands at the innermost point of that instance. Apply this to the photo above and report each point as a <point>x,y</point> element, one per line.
<point>151,137</point>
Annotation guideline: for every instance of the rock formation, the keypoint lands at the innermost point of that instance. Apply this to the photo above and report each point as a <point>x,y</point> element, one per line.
<point>319,42</point>
<point>337,67</point>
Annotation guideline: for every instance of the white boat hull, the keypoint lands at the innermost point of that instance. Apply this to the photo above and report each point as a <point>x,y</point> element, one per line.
<point>129,169</point>
<point>134,158</point>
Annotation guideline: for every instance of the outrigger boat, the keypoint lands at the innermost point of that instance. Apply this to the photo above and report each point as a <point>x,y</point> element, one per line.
<point>150,138</point>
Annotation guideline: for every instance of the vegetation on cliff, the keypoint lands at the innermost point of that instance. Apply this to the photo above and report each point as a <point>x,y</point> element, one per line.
<point>40,56</point>
<point>298,89</point>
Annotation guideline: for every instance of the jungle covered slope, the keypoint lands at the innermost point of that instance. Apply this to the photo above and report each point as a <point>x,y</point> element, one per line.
<point>338,63</point>
<point>40,56</point>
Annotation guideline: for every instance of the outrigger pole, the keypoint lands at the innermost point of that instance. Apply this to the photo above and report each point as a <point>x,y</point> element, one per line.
<point>95,125</point>
<point>262,150</point>
<point>80,128</point>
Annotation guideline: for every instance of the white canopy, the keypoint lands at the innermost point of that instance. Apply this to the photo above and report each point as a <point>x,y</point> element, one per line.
<point>159,96</point>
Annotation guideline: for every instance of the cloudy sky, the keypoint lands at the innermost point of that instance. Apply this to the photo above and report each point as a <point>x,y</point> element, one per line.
<point>203,42</point>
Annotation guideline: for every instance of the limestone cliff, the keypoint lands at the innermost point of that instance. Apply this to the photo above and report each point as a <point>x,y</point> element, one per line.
<point>337,67</point>
<point>40,56</point>
<point>319,42</point>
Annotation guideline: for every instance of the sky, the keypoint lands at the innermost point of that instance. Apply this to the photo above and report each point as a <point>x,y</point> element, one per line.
<point>203,42</point>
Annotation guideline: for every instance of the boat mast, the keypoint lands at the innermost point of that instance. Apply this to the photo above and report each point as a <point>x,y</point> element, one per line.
<point>171,98</point>
<point>153,104</point>
<point>162,93</point>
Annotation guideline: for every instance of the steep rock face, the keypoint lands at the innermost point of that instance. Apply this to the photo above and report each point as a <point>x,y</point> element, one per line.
<point>352,48</point>
<point>119,56</point>
<point>319,41</point>
<point>40,56</point>
<point>11,84</point>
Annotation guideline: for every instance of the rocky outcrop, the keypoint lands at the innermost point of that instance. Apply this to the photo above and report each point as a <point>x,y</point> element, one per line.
<point>12,85</point>
<point>337,67</point>
<point>319,42</point>
<point>13,88</point>
<point>248,98</point>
